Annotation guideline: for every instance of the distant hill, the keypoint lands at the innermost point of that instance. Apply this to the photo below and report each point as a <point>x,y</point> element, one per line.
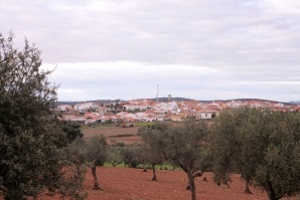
<point>166,99</point>
<point>295,102</point>
<point>249,99</point>
<point>105,101</point>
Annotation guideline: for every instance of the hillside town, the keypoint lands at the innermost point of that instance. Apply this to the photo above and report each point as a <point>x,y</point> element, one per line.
<point>148,110</point>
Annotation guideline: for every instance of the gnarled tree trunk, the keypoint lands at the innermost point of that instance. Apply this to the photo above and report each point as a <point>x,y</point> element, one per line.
<point>247,189</point>
<point>154,173</point>
<point>191,185</point>
<point>270,191</point>
<point>96,183</point>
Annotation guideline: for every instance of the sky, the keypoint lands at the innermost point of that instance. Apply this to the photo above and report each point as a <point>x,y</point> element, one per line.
<point>129,49</point>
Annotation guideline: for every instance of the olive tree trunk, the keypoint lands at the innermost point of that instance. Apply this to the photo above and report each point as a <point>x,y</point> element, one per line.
<point>247,188</point>
<point>192,186</point>
<point>191,183</point>
<point>96,183</point>
<point>270,191</point>
<point>154,173</point>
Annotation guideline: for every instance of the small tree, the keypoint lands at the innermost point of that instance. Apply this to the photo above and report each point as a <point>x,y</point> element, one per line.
<point>131,155</point>
<point>114,155</point>
<point>153,143</point>
<point>184,145</point>
<point>96,155</point>
<point>149,157</point>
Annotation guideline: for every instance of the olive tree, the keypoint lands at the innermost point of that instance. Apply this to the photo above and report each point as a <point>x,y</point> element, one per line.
<point>184,145</point>
<point>225,146</point>
<point>31,155</point>
<point>153,144</point>
<point>279,170</point>
<point>262,145</point>
<point>72,130</point>
<point>96,155</point>
<point>187,148</point>
<point>131,155</point>
<point>90,152</point>
<point>114,155</point>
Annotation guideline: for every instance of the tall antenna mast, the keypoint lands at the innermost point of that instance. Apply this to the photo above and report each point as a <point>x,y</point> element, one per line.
<point>157,94</point>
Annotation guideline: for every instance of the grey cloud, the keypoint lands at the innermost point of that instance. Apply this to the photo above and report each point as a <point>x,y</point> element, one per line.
<point>226,33</point>
<point>250,43</point>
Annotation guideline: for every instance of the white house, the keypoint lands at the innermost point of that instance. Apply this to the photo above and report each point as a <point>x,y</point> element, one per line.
<point>64,108</point>
<point>130,107</point>
<point>206,115</point>
<point>83,107</point>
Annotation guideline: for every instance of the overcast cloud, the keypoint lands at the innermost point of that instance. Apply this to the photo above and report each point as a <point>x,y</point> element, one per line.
<point>208,49</point>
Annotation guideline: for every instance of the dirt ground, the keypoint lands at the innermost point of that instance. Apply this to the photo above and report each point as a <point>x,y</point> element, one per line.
<point>114,133</point>
<point>134,184</point>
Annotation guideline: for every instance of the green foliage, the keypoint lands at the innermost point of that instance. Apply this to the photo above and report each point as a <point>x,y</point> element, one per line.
<point>120,144</point>
<point>131,155</point>
<point>31,142</point>
<point>186,145</point>
<point>72,130</point>
<point>76,152</point>
<point>183,145</point>
<point>279,170</point>
<point>86,151</point>
<point>89,152</point>
<point>114,155</point>
<point>95,149</point>
<point>260,144</point>
<point>153,142</point>
<point>224,146</point>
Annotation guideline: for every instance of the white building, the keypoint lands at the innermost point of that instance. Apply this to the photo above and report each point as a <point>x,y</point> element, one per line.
<point>83,107</point>
<point>64,108</point>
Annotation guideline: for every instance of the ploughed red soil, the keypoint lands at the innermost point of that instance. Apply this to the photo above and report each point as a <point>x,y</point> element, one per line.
<point>116,134</point>
<point>134,184</point>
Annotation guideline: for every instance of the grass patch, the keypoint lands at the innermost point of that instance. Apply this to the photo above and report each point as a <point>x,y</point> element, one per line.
<point>107,164</point>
